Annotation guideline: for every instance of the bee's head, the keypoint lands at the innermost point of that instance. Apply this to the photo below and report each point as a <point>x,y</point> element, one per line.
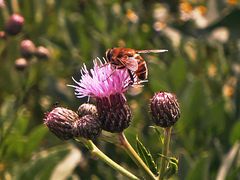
<point>109,54</point>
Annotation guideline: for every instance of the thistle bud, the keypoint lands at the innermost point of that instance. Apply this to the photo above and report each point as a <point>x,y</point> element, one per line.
<point>14,24</point>
<point>21,64</point>
<point>2,4</point>
<point>87,109</point>
<point>114,113</point>
<point>88,124</point>
<point>3,35</point>
<point>88,127</point>
<point>27,48</point>
<point>42,52</point>
<point>60,121</point>
<point>164,109</point>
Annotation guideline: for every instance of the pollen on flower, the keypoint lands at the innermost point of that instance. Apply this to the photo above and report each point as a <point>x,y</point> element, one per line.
<point>101,81</point>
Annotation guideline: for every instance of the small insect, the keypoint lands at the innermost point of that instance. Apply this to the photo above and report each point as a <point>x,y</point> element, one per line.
<point>56,104</point>
<point>131,60</point>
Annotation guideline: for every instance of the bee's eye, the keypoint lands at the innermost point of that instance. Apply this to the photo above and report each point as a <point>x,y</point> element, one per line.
<point>129,54</point>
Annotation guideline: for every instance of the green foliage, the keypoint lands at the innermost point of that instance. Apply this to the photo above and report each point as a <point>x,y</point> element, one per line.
<point>146,156</point>
<point>201,67</point>
<point>199,168</point>
<point>43,164</point>
<point>172,168</point>
<point>235,134</point>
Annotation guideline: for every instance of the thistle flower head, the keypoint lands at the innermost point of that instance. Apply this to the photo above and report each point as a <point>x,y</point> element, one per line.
<point>14,24</point>
<point>27,48</point>
<point>88,124</point>
<point>114,113</point>
<point>107,85</point>
<point>60,122</point>
<point>21,64</point>
<point>2,4</point>
<point>2,35</point>
<point>101,81</point>
<point>87,109</point>
<point>42,53</point>
<point>164,109</point>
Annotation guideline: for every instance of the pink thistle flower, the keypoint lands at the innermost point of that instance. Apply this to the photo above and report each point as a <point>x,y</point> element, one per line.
<point>101,81</point>
<point>107,85</point>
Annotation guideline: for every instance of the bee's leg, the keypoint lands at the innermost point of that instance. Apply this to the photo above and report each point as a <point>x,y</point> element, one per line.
<point>110,74</point>
<point>131,77</point>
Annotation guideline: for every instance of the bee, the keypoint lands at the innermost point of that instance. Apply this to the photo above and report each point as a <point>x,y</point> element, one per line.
<point>130,59</point>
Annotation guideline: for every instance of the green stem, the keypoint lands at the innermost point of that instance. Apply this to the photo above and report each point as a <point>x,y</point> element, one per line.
<point>98,153</point>
<point>5,13</point>
<point>15,6</point>
<point>165,149</point>
<point>132,153</point>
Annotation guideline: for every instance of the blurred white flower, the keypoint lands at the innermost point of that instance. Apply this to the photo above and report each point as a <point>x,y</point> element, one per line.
<point>160,12</point>
<point>220,34</point>
<point>199,18</point>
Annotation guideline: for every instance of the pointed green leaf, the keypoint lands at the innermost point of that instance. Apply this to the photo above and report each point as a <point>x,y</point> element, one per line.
<point>170,171</point>
<point>146,156</point>
<point>158,132</point>
<point>172,166</point>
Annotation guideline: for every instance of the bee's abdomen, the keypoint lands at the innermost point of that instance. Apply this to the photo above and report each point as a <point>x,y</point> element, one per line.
<point>142,71</point>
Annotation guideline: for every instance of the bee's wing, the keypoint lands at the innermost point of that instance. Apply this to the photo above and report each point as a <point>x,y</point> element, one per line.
<point>151,51</point>
<point>131,64</point>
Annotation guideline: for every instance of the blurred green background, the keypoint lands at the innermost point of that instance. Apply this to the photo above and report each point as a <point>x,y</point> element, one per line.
<point>202,67</point>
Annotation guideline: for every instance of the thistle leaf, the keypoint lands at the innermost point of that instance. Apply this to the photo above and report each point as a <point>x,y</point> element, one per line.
<point>159,133</point>
<point>172,166</point>
<point>146,156</point>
